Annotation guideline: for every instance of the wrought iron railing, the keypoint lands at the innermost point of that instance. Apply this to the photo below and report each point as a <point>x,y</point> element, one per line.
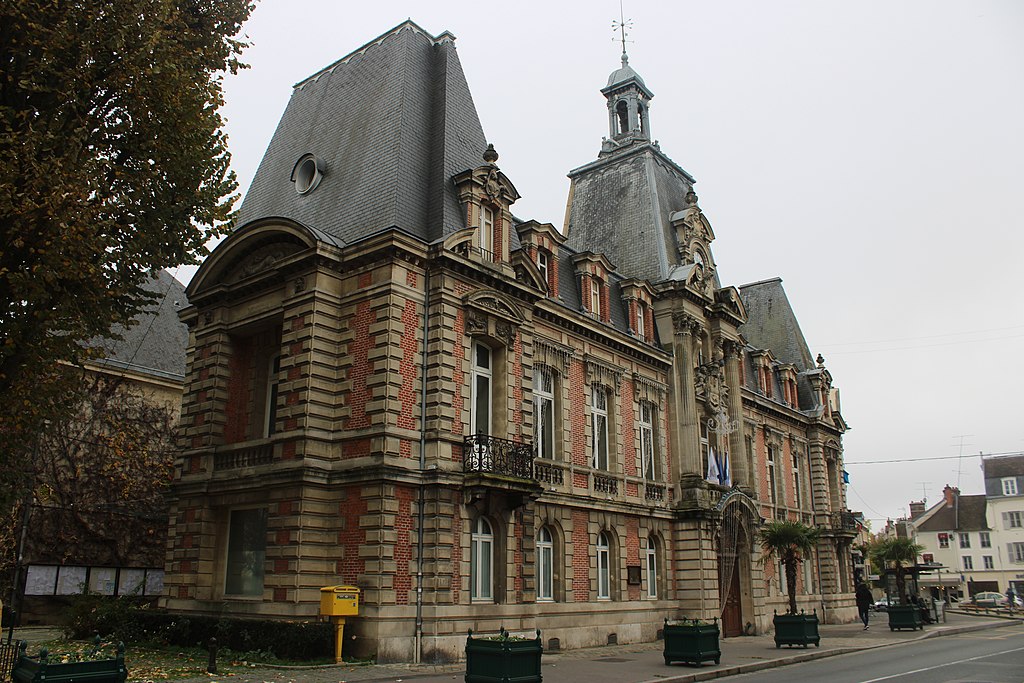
<point>844,520</point>
<point>484,453</point>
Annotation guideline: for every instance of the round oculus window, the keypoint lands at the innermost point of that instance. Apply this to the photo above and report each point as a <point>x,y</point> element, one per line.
<point>307,174</point>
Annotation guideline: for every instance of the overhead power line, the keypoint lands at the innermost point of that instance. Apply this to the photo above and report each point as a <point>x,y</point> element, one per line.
<point>940,457</point>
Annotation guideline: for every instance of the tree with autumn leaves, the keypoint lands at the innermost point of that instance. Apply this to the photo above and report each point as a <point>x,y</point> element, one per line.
<point>113,165</point>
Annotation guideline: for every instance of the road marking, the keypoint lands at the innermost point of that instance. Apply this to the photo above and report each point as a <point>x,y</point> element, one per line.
<point>940,666</point>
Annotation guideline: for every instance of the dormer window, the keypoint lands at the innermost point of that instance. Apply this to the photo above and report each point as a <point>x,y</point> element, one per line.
<point>641,327</point>
<point>542,266</point>
<point>487,232</point>
<point>595,297</point>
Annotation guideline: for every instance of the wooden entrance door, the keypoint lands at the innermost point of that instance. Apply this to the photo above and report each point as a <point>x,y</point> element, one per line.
<point>732,614</point>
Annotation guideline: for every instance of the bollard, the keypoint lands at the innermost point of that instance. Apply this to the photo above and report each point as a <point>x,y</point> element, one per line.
<point>211,665</point>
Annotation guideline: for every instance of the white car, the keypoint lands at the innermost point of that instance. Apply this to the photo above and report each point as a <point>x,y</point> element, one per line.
<point>989,599</point>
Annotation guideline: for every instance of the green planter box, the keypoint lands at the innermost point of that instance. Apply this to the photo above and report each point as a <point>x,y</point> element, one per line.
<point>796,629</point>
<point>503,659</point>
<point>39,669</point>
<point>905,616</point>
<point>692,641</point>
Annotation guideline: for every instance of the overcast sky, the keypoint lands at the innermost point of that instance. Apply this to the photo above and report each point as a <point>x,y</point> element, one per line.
<point>868,153</point>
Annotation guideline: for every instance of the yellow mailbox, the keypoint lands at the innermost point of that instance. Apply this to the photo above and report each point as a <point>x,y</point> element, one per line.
<point>339,601</point>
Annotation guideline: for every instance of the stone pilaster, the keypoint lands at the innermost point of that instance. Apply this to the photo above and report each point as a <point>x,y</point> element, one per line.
<point>687,446</point>
<point>740,459</point>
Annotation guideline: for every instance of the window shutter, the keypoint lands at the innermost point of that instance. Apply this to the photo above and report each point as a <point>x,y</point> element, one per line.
<point>1006,520</point>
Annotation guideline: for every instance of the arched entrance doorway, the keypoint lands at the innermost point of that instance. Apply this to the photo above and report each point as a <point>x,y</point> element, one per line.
<point>734,551</point>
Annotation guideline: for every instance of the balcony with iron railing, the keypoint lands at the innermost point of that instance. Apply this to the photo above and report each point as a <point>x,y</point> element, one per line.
<point>845,522</point>
<point>500,470</point>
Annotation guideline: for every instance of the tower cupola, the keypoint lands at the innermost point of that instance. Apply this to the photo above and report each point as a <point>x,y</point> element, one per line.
<point>628,103</point>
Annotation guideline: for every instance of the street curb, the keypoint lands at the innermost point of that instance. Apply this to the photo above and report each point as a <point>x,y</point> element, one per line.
<point>811,656</point>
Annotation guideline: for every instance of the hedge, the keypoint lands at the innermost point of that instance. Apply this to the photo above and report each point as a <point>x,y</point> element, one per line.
<point>127,620</point>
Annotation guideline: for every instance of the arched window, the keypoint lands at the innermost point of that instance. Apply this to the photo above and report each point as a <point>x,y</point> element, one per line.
<point>544,411</point>
<point>652,567</point>
<point>545,565</point>
<point>622,113</point>
<point>481,562</point>
<point>604,583</point>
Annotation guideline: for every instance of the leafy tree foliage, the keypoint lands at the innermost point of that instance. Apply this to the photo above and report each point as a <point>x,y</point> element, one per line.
<point>791,543</point>
<point>112,165</point>
<point>100,475</point>
<point>896,554</point>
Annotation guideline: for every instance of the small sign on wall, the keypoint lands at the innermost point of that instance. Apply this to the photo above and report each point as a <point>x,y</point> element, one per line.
<point>633,575</point>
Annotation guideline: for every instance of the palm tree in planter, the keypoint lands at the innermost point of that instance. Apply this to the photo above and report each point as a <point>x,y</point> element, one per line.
<point>896,555</point>
<point>791,543</point>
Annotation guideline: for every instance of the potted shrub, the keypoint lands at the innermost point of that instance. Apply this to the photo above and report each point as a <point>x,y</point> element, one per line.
<point>896,555</point>
<point>503,659</point>
<point>791,543</point>
<point>692,641</point>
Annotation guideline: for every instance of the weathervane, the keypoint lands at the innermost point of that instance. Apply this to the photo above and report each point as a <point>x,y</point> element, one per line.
<point>621,25</point>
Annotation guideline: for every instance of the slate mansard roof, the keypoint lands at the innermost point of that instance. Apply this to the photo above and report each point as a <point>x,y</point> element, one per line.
<point>622,203</point>
<point>156,341</point>
<point>391,124</point>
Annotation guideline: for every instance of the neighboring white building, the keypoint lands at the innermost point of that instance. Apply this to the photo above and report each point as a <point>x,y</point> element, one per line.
<point>956,535</point>
<point>1004,490</point>
<point>978,539</point>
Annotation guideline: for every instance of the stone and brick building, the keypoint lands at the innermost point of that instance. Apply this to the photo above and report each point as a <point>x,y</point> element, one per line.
<point>480,420</point>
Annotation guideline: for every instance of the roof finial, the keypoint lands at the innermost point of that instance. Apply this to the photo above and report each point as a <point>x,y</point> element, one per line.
<point>621,25</point>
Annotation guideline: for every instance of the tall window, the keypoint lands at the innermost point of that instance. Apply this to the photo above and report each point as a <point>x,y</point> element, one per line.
<point>247,550</point>
<point>595,296</point>
<point>544,409</point>
<point>542,266</point>
<point>986,560</point>
<point>648,459</point>
<point>652,568</point>
<point>545,565</point>
<point>965,540</point>
<point>783,586</point>
<point>604,591</point>
<point>968,562</point>
<point>796,480</point>
<point>641,323</point>
<point>273,381</point>
<point>1012,520</point>
<point>1015,552</point>
<point>771,475</point>
<point>480,418</point>
<point>985,539</point>
<point>487,231</point>
<point>1009,486</point>
<point>599,426</point>
<point>481,573</point>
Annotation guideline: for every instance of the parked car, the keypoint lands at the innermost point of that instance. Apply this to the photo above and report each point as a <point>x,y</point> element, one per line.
<point>989,599</point>
<point>883,605</point>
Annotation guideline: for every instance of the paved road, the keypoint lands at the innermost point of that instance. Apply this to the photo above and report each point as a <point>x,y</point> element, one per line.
<point>995,656</point>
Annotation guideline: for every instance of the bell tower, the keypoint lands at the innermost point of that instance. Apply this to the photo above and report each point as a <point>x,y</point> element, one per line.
<point>628,104</point>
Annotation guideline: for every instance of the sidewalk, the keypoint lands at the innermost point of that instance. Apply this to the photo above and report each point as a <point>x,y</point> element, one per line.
<point>642,662</point>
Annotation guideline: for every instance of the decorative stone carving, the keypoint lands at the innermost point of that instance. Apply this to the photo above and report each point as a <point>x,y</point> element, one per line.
<point>686,324</point>
<point>262,259</point>
<point>475,321</point>
<point>648,389</point>
<point>506,333</point>
<point>710,386</point>
<point>300,285</point>
<point>602,373</point>
<point>555,356</point>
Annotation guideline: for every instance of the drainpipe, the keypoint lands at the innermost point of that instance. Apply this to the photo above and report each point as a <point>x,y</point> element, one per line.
<point>421,513</point>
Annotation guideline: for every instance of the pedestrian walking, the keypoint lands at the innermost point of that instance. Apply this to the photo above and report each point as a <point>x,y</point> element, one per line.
<point>1011,598</point>
<point>864,602</point>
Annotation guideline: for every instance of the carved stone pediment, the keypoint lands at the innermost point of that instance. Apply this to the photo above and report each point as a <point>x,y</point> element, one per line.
<point>492,314</point>
<point>260,260</point>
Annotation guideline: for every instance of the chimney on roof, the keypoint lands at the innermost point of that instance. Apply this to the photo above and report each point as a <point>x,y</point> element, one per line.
<point>951,493</point>
<point>916,508</point>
